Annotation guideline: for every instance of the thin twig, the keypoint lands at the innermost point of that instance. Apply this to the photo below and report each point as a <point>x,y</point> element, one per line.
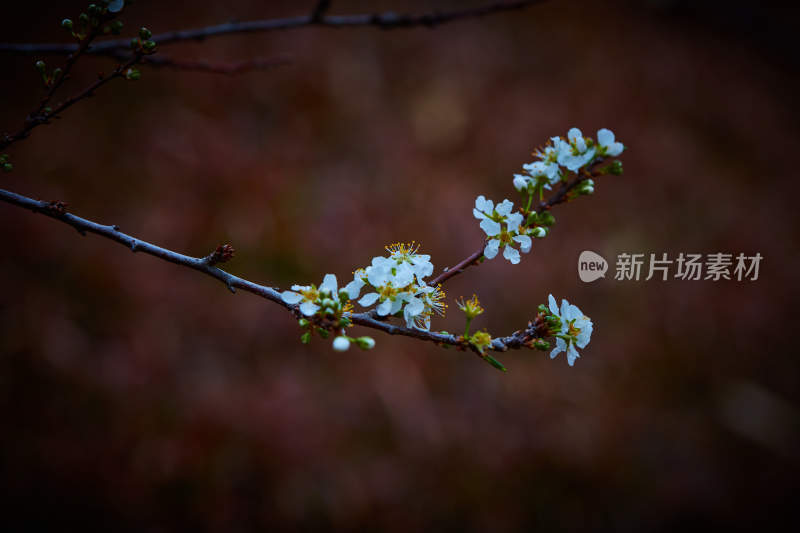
<point>57,211</point>
<point>387,20</point>
<point>43,117</point>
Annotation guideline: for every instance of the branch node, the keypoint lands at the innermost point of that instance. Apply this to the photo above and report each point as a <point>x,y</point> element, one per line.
<point>222,254</point>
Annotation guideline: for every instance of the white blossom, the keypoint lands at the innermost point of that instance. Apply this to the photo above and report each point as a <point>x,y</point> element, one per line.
<point>575,152</point>
<point>493,218</point>
<point>606,145</point>
<point>309,297</point>
<point>576,329</point>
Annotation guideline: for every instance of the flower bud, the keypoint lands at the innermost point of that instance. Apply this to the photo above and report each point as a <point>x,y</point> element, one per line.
<point>539,232</point>
<point>116,27</point>
<point>365,343</point>
<point>341,343</point>
<point>615,168</point>
<point>520,183</point>
<point>66,24</point>
<point>132,74</point>
<point>83,18</point>
<point>149,45</point>
<point>324,333</point>
<point>303,323</point>
<point>8,167</point>
<point>541,344</point>
<point>40,66</point>
<point>305,338</point>
<point>343,295</point>
<point>327,302</point>
<point>546,219</point>
<point>144,33</point>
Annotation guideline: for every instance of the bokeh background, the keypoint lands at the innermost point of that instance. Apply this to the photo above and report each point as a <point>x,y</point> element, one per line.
<point>137,395</point>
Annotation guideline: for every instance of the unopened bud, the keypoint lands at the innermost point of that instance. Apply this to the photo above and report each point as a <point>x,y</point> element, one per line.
<point>615,168</point>
<point>341,343</point>
<point>541,344</point>
<point>144,33</point>
<point>539,232</point>
<point>365,343</point>
<point>132,74</point>
<point>546,219</point>
<point>303,322</point>
<point>66,24</point>
<point>40,66</point>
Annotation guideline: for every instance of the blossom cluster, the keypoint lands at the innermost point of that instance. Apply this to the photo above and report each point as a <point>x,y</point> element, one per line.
<point>397,284</point>
<point>506,228</point>
<point>571,328</point>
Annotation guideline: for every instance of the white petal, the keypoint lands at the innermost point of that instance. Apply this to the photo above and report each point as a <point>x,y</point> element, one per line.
<point>491,249</point>
<point>300,287</point>
<point>521,182</point>
<point>490,227</point>
<point>572,354</point>
<point>553,304</point>
<point>574,134</point>
<point>605,137</point>
<point>511,254</point>
<point>560,347</point>
<point>308,309</point>
<point>290,297</point>
<point>504,207</point>
<point>414,306</point>
<point>513,221</point>
<point>384,307</point>
<point>368,299</point>
<point>354,288</point>
<point>524,243</point>
<point>615,149</point>
<point>329,284</point>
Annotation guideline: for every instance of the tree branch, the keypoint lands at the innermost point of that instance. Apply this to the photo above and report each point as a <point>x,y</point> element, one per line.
<point>57,211</point>
<point>386,20</point>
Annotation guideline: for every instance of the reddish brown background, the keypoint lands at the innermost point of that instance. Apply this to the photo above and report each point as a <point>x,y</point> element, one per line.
<point>143,396</point>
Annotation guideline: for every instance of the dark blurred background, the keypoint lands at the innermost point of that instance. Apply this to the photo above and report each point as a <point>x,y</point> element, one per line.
<point>136,395</point>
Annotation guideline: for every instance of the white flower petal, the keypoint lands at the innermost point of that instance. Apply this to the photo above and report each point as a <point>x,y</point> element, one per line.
<point>368,299</point>
<point>560,347</point>
<point>615,149</point>
<point>504,207</point>
<point>605,137</point>
<point>354,288</point>
<point>553,305</point>
<point>524,243</point>
<point>574,134</point>
<point>384,307</point>
<point>572,354</point>
<point>290,297</point>
<point>491,249</point>
<point>512,254</point>
<point>490,227</point>
<point>329,284</point>
<point>513,221</point>
<point>308,308</point>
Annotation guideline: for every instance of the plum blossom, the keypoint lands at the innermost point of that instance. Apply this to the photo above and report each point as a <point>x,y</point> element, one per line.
<point>493,218</point>
<point>606,145</point>
<point>309,296</point>
<point>575,152</point>
<point>576,329</point>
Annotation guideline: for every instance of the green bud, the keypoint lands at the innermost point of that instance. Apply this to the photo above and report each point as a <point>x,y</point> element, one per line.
<point>327,302</point>
<point>539,232</point>
<point>546,219</point>
<point>144,33</point>
<point>8,167</point>
<point>533,218</point>
<point>343,296</point>
<point>66,24</point>
<point>305,338</point>
<point>543,309</point>
<point>40,66</point>
<point>365,343</point>
<point>83,18</point>
<point>303,323</point>
<point>553,321</point>
<point>132,74</point>
<point>324,333</point>
<point>149,46</point>
<point>57,73</point>
<point>134,44</point>
<point>541,344</point>
<point>615,168</point>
